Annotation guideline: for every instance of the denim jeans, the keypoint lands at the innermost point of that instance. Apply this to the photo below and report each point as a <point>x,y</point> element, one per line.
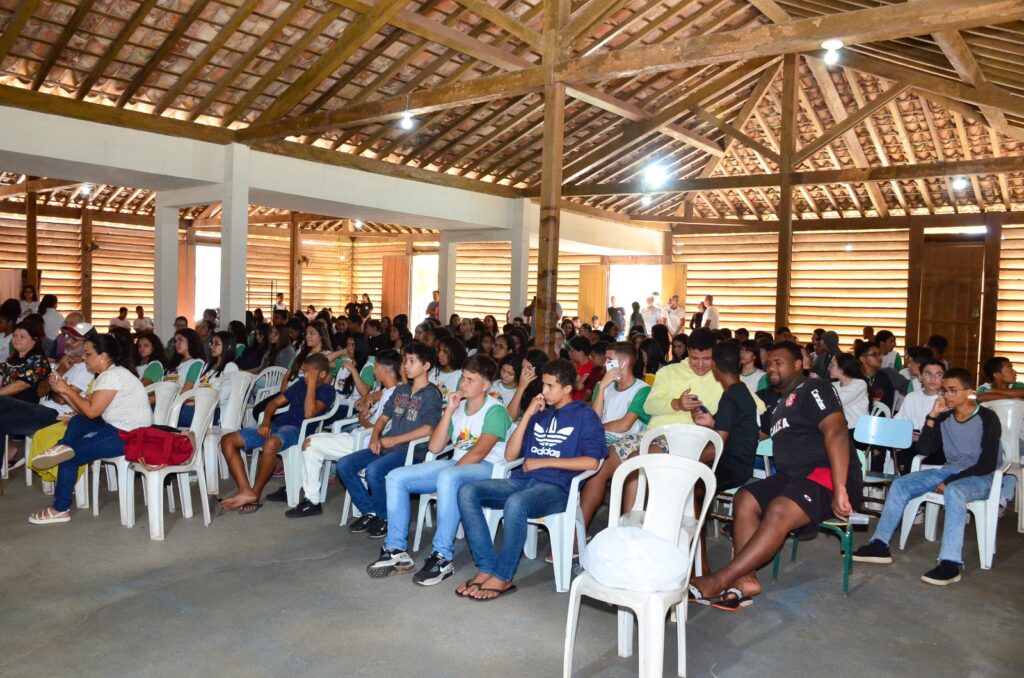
<point>443,477</point>
<point>520,498</point>
<point>22,418</point>
<point>91,439</point>
<point>373,497</point>
<point>956,496</point>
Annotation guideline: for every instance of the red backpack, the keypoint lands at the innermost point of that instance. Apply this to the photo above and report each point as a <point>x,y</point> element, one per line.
<point>156,446</point>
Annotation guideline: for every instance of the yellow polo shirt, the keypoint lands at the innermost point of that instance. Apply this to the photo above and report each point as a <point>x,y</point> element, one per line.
<point>669,384</point>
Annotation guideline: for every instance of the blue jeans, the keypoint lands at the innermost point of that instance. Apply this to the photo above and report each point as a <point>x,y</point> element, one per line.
<point>956,496</point>
<point>521,499</point>
<point>91,439</point>
<point>373,497</point>
<point>443,477</point>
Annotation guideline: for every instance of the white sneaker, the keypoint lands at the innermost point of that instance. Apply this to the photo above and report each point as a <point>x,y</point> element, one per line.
<point>1002,507</point>
<point>919,518</point>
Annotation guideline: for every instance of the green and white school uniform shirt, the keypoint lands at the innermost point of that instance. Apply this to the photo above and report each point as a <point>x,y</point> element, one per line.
<point>618,404</point>
<point>446,382</point>
<point>465,429</point>
<point>503,393</point>
<point>988,387</point>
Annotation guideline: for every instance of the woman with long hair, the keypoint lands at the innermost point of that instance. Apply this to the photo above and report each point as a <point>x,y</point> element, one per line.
<point>751,370</point>
<point>52,320</point>
<point>636,319</point>
<point>660,335</point>
<point>852,387</point>
<point>503,345</point>
<point>651,355</point>
<point>29,301</point>
<point>253,354</point>
<point>450,355</point>
<point>491,324</point>
<point>26,368</point>
<point>118,402</point>
<point>188,349</point>
<point>149,358</point>
<point>280,351</point>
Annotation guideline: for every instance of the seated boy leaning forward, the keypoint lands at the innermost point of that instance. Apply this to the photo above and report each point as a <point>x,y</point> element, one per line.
<point>307,397</point>
<point>477,425</point>
<point>412,412</point>
<point>326,447</point>
<point>967,436</point>
<point>812,454</point>
<point>559,438</point>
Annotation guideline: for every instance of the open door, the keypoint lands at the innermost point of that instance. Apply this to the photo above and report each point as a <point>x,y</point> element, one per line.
<point>593,291</point>
<point>395,285</point>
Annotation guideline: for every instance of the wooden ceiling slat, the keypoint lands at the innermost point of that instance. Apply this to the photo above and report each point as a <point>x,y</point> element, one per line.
<point>15,25</point>
<point>114,48</point>
<point>58,47</point>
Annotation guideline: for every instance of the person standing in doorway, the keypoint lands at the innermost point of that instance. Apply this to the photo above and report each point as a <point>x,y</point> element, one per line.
<point>434,307</point>
<point>650,313</point>
<point>697,319</point>
<point>617,315</point>
<point>672,316</point>
<point>710,313</point>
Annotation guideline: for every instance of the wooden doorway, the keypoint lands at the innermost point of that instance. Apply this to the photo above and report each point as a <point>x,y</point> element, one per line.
<point>395,287</point>
<point>952,280</point>
<point>593,291</point>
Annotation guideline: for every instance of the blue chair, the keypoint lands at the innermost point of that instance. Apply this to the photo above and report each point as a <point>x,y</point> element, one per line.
<point>884,433</point>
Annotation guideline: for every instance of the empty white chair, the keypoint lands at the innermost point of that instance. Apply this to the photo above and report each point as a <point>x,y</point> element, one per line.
<point>1011,414</point>
<point>880,409</point>
<point>6,467</point>
<point>671,479</point>
<point>206,400</point>
<point>235,388</point>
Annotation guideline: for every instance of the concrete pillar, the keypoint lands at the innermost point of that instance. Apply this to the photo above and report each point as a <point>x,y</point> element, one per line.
<point>234,234</point>
<point>446,276</point>
<point>520,237</point>
<point>165,275</point>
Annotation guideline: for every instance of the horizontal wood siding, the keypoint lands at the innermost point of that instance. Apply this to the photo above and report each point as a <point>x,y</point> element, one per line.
<point>739,269</point>
<point>325,280</point>
<point>1010,311</point>
<point>843,290</point>
<point>368,268</point>
<point>483,278</point>
<point>266,271</point>
<point>568,280</point>
<point>122,270</point>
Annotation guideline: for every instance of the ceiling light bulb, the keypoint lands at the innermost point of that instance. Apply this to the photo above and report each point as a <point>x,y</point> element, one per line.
<point>831,57</point>
<point>407,121</point>
<point>86,189</point>
<point>646,201</point>
<point>654,176</point>
<point>960,183</point>
<point>832,45</point>
<point>357,224</point>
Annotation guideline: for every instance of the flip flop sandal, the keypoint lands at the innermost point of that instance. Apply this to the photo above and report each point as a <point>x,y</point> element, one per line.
<point>466,586</point>
<point>49,517</point>
<point>732,600</point>
<point>250,508</point>
<point>509,591</point>
<point>697,597</point>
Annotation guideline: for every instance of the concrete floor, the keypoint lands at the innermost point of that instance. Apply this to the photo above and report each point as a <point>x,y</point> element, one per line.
<point>263,595</point>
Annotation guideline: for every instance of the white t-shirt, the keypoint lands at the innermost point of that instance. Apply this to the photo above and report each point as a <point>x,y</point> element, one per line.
<point>130,407</point>
<point>889,359</point>
<point>617,403</point>
<point>650,316</point>
<point>143,324</point>
<point>465,429</point>
<point>446,382</point>
<point>52,322</point>
<point>503,393</point>
<point>5,347</point>
<point>711,317</point>
<point>28,307</point>
<point>854,397</point>
<point>378,408</point>
<point>208,378</point>
<point>78,376</point>
<point>117,322</point>
<point>752,380</point>
<point>916,407</point>
<point>673,319</point>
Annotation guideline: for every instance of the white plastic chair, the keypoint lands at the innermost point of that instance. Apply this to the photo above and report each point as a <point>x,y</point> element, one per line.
<point>187,365</point>
<point>985,511</point>
<point>409,460</point>
<point>672,480</point>
<point>294,462</point>
<point>235,389</point>
<point>269,380</point>
<point>165,392</point>
<point>206,400</point>
<point>880,409</point>
<point>6,467</point>
<point>1011,414</point>
<point>308,428</point>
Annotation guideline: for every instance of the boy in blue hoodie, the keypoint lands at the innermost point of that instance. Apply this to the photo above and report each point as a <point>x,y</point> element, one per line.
<point>559,438</point>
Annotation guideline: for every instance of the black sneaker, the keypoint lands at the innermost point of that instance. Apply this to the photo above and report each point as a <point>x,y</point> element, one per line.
<point>390,562</point>
<point>378,528</point>
<point>280,495</point>
<point>435,570</point>
<point>945,573</point>
<point>874,552</point>
<point>305,508</point>
<point>361,523</point>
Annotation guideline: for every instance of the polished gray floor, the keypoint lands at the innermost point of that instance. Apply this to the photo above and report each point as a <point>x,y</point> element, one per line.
<point>262,595</point>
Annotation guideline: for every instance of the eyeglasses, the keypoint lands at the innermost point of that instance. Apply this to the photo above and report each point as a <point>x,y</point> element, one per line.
<point>873,355</point>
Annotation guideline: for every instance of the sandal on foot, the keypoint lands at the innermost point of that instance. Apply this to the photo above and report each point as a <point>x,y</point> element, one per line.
<point>501,592</point>
<point>49,516</point>
<point>697,597</point>
<point>52,457</point>
<point>732,600</point>
<point>467,586</point>
<point>251,507</point>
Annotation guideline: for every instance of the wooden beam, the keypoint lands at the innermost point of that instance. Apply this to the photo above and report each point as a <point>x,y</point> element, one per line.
<point>963,219</point>
<point>356,33</point>
<point>851,121</point>
<point>153,60</point>
<point>316,154</point>
<point>85,233</point>
<point>990,284</point>
<point>36,186</point>
<point>915,277</point>
<point>15,25</point>
<point>506,23</point>
<point>583,19</point>
<point>32,239</point>
<point>114,48</point>
<point>58,47</point>
<point>977,166</point>
<point>736,134</point>
<point>787,148</point>
<point>294,268</point>
<point>108,115</point>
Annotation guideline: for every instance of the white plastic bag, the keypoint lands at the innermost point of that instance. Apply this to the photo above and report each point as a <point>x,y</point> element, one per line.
<point>634,559</point>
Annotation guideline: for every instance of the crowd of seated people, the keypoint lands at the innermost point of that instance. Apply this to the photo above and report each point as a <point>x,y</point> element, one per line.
<point>475,394</point>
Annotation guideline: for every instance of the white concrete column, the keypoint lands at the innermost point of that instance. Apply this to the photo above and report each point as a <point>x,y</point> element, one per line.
<point>520,237</point>
<point>165,276</point>
<point>446,276</point>
<point>234,233</point>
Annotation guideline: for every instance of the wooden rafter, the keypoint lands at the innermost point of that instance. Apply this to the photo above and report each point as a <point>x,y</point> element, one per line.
<point>58,47</point>
<point>506,23</point>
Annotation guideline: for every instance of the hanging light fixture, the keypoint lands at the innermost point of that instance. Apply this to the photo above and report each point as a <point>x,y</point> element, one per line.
<point>407,122</point>
<point>831,48</point>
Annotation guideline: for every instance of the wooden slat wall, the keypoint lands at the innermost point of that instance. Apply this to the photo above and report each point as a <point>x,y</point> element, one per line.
<point>1010,309</point>
<point>483,279</point>
<point>267,262</point>
<point>60,260</point>
<point>568,280</point>
<point>844,290</point>
<point>326,280</point>
<point>368,267</point>
<point>738,269</point>
<point>122,270</point>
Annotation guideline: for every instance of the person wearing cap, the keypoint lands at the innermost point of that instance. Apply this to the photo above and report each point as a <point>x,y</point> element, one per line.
<point>60,344</point>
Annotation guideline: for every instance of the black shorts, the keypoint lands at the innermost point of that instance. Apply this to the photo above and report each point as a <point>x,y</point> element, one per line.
<point>814,499</point>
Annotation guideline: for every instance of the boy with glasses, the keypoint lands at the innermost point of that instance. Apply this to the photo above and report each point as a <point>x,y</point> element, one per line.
<point>916,407</point>
<point>880,388</point>
<point>967,436</point>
